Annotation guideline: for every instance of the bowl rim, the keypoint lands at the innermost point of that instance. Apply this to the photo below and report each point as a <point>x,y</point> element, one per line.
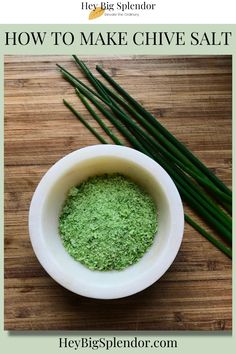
<point>67,162</point>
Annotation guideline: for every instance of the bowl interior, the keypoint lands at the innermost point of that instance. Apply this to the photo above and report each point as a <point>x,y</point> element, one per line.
<point>73,271</point>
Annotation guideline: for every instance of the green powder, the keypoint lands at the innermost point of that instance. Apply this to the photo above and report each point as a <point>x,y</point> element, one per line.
<point>108,222</point>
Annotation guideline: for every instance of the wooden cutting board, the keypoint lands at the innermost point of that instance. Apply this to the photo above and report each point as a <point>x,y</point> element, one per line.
<point>191,96</point>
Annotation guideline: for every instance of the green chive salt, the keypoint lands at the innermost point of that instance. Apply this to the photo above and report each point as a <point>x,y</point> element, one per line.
<point>108,222</point>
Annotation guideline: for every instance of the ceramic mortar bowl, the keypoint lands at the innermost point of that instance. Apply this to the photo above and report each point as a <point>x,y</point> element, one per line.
<point>49,198</point>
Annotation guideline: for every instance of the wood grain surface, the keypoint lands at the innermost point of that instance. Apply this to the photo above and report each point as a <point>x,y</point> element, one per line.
<point>191,96</point>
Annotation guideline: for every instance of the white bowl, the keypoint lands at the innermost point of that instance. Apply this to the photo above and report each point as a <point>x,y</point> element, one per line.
<point>47,203</point>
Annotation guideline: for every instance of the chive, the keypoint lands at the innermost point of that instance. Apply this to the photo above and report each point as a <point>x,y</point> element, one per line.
<point>90,76</point>
<point>165,132</point>
<point>227,206</point>
<point>97,118</point>
<point>87,125</point>
<point>209,237</point>
<point>74,81</point>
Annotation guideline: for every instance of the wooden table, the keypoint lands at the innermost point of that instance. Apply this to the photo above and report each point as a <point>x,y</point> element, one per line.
<point>191,96</point>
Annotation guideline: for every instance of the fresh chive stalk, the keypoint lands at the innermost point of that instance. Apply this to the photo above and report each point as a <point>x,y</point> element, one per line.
<point>97,118</point>
<point>208,236</point>
<point>75,81</point>
<point>91,77</point>
<point>85,123</point>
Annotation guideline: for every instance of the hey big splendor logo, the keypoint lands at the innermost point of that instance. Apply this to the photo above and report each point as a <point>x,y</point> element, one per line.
<point>114,8</point>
